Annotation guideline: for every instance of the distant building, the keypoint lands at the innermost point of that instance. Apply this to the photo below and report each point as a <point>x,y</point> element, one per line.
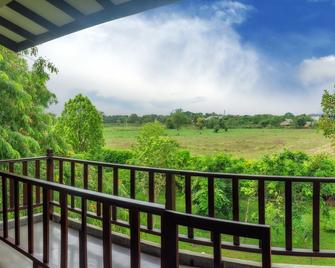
<point>316,117</point>
<point>287,122</point>
<point>308,124</point>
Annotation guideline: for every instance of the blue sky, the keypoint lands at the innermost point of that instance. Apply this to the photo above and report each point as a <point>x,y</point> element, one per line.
<point>242,57</point>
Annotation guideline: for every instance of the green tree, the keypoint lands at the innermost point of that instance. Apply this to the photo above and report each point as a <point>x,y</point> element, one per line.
<point>154,148</point>
<point>200,123</point>
<point>178,118</point>
<point>26,128</point>
<point>327,121</point>
<point>82,125</point>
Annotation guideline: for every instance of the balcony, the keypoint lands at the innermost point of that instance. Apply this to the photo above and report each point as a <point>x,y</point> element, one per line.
<point>62,214</point>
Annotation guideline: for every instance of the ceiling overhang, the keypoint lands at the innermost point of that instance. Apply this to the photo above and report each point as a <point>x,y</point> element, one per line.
<point>27,23</point>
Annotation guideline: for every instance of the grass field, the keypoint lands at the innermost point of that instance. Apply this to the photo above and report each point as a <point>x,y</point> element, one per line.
<point>247,143</point>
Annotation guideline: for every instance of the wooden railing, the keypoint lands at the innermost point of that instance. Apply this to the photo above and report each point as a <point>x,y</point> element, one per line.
<point>97,171</point>
<point>169,221</point>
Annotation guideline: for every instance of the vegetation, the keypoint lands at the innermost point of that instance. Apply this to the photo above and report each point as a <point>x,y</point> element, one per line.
<point>81,125</point>
<point>26,128</point>
<point>179,118</point>
<point>327,122</point>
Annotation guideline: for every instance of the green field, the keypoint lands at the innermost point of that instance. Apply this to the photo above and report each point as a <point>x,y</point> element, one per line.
<point>247,143</point>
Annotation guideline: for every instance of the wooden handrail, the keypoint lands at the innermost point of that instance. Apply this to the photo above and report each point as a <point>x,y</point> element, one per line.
<point>205,174</point>
<point>169,219</point>
<point>79,166</point>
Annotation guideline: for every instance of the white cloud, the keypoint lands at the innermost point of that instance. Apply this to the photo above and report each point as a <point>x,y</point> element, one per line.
<point>318,70</point>
<point>155,64</point>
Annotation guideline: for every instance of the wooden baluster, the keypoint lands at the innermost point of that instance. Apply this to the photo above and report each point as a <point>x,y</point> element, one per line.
<point>316,216</point>
<point>46,208</point>
<point>170,192</point>
<point>60,171</point>
<point>188,202</point>
<point>107,240</point>
<point>151,198</point>
<point>83,235</point>
<point>288,215</point>
<point>135,251</point>
<point>261,204</point>
<point>132,184</point>
<point>236,206</point>
<point>210,198</point>
<point>72,180</point>
<point>64,231</point>
<point>30,216</point>
<point>85,176</point>
<point>50,177</point>
<point>24,173</point>
<point>11,186</point>
<point>115,190</point>
<point>38,176</point>
<point>4,207</point>
<point>100,175</point>
<point>211,210</point>
<point>17,212</point>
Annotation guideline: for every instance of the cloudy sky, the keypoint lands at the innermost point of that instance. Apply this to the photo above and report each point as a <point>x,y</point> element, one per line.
<point>237,56</point>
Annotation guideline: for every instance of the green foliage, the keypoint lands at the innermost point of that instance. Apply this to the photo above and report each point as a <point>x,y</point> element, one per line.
<point>178,118</point>
<point>200,123</point>
<point>186,118</point>
<point>154,148</point>
<point>327,121</point>
<point>116,156</point>
<point>81,125</point>
<point>26,128</point>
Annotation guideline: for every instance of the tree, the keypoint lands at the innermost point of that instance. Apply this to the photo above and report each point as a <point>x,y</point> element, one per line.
<point>327,121</point>
<point>178,118</point>
<point>26,128</point>
<point>200,123</point>
<point>82,125</point>
<point>153,148</point>
<point>133,119</point>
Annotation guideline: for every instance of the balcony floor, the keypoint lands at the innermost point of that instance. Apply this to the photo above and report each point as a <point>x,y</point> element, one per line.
<point>121,259</point>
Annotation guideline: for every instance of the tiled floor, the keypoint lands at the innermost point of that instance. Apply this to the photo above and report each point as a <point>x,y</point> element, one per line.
<point>9,258</point>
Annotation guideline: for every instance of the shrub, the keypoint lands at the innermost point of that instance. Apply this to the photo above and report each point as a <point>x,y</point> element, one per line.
<point>116,156</point>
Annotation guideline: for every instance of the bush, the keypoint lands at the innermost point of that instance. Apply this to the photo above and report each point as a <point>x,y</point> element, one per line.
<point>116,156</point>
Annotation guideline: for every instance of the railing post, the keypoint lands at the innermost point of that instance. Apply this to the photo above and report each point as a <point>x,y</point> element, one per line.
<point>135,238</point>
<point>169,241</point>
<point>83,235</point>
<point>46,209</point>
<point>107,236</point>
<point>50,177</point>
<point>266,248</point>
<point>64,231</point>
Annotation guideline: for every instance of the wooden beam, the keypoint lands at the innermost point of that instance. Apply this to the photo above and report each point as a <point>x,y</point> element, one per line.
<point>8,43</point>
<point>26,12</point>
<point>105,3</point>
<point>16,29</point>
<point>66,8</point>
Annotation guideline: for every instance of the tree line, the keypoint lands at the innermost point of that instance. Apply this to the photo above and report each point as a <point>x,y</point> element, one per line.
<point>179,118</point>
